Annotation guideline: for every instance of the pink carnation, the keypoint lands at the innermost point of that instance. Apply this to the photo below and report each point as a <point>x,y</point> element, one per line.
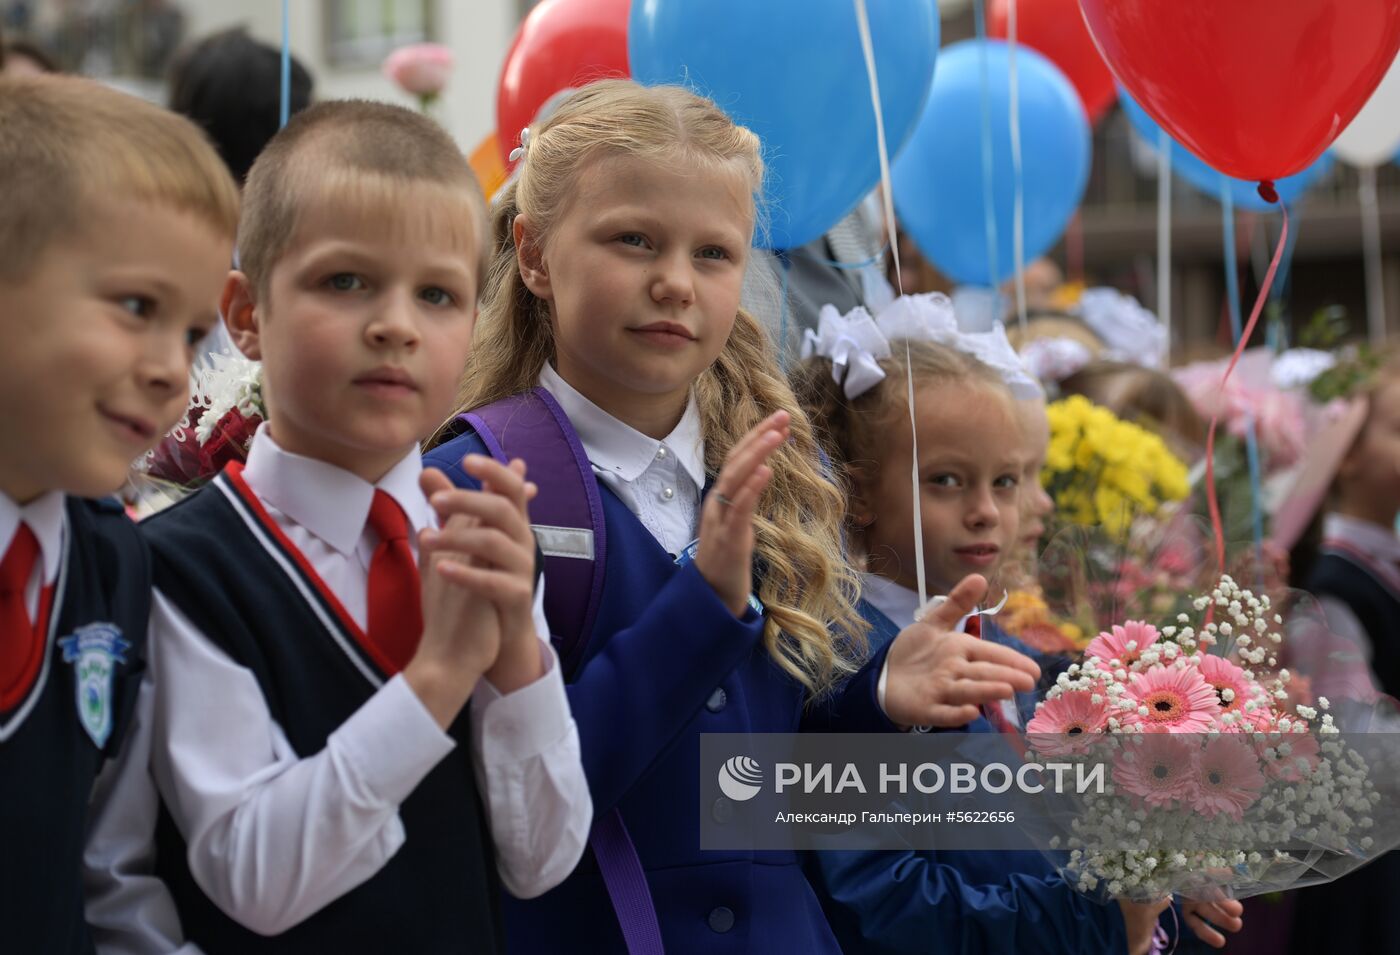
<point>1114,646</point>
<point>1294,765</point>
<point>421,69</point>
<point>1172,700</point>
<point>1063,725</point>
<point>1223,675</point>
<point>1228,779</point>
<point>1158,767</point>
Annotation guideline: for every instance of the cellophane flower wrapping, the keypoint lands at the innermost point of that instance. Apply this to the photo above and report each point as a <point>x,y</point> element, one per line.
<point>1227,773</point>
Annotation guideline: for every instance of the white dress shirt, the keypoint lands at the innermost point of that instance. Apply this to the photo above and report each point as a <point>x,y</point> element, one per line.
<point>46,518</point>
<point>272,837</point>
<point>659,481</point>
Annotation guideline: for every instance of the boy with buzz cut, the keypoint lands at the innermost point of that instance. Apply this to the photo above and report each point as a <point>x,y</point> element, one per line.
<point>117,224</point>
<point>358,726</point>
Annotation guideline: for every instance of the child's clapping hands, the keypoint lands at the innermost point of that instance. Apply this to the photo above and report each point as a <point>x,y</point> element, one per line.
<point>478,571</point>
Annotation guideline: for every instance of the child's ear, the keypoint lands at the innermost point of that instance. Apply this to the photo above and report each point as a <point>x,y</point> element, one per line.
<point>529,255</point>
<point>239,306</point>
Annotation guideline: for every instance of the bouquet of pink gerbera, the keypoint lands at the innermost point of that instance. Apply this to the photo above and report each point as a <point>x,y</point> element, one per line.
<point>1215,782</point>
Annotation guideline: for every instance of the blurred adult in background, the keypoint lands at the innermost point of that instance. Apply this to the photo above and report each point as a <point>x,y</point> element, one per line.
<point>231,85</point>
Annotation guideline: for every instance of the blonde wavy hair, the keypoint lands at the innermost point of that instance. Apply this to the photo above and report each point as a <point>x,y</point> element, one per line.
<point>812,630</point>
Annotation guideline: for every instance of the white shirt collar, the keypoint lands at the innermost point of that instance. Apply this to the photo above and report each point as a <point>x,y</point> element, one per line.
<point>329,501</point>
<point>620,449</point>
<point>898,603</point>
<point>45,516</point>
<point>1378,541</point>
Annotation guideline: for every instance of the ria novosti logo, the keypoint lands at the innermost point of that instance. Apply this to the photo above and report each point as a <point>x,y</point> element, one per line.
<point>740,778</point>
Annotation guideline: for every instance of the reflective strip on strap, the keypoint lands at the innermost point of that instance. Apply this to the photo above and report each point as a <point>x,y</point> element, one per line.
<point>576,542</point>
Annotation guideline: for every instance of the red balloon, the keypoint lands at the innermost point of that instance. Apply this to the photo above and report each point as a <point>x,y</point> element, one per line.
<point>1056,28</point>
<point>561,44</point>
<point>1256,88</point>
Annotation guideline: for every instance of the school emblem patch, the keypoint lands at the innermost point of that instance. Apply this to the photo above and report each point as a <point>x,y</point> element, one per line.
<point>95,650</point>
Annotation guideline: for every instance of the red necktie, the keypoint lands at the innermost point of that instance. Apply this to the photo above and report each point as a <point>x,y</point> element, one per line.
<point>19,637</point>
<point>993,711</point>
<point>395,601</point>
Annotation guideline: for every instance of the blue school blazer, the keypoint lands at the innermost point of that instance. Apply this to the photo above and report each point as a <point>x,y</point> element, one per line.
<point>912,901</point>
<point>666,662</point>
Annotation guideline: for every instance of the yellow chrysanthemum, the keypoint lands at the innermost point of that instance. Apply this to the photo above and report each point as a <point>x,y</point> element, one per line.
<point>1102,470</point>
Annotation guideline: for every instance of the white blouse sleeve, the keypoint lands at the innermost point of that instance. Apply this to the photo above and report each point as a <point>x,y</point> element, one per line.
<point>526,754</point>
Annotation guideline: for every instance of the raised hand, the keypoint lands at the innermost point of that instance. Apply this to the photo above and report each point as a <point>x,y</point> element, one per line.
<point>939,676</point>
<point>1140,920</point>
<point>725,553</point>
<point>491,528</point>
<point>1206,918</point>
<point>461,628</point>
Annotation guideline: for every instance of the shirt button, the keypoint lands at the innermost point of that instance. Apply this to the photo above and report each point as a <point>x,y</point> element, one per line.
<point>722,919</point>
<point>661,454</point>
<point>668,492</point>
<point>717,700</point>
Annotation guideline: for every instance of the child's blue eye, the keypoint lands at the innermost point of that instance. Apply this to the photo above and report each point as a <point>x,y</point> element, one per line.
<point>195,335</point>
<point>436,296</point>
<point>139,305</point>
<point>944,480</point>
<point>713,252</point>
<point>633,239</point>
<point>1008,480</point>
<point>345,282</point>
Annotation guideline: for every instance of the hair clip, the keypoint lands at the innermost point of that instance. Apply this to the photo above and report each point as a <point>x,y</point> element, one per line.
<point>519,151</point>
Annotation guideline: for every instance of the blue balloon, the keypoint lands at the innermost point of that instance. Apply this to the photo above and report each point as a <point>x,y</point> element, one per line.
<point>794,73</point>
<point>938,182</point>
<point>1244,194</point>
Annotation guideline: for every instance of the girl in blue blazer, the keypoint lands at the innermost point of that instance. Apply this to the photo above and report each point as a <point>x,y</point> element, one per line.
<point>970,464</point>
<point>694,576</point>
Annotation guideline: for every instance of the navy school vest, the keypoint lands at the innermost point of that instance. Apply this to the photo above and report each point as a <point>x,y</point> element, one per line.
<point>54,741</point>
<point>225,564</point>
<point>1339,574</point>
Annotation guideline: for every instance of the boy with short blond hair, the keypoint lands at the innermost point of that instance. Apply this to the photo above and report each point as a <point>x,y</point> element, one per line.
<point>308,695</point>
<point>117,227</point>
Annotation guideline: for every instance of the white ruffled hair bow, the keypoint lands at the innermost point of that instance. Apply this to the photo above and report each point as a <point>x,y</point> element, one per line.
<point>855,342</point>
<point>855,346</point>
<point>1130,332</point>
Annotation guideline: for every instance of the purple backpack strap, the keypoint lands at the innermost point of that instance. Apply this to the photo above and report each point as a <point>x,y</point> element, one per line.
<point>567,517</point>
<point>567,514</point>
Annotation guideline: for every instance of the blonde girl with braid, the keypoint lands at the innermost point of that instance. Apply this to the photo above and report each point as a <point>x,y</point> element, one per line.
<point>727,602</point>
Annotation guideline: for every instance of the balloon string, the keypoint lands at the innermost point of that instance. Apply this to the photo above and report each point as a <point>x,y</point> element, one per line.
<point>1266,190</point>
<point>1164,236</point>
<point>1251,438</point>
<point>988,191</point>
<point>1018,227</point>
<point>285,108</point>
<point>1371,239</point>
<point>868,48</point>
